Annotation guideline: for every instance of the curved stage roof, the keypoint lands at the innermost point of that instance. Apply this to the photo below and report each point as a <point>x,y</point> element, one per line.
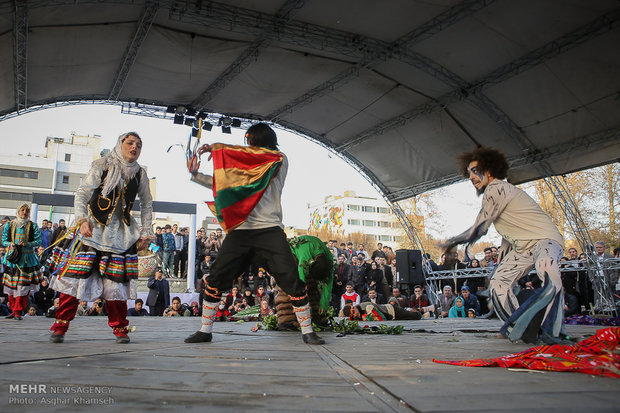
<point>399,87</point>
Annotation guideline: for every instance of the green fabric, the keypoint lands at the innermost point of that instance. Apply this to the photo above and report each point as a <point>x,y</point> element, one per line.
<point>306,248</point>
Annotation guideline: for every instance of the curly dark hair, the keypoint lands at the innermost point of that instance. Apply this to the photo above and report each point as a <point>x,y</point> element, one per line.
<point>489,160</point>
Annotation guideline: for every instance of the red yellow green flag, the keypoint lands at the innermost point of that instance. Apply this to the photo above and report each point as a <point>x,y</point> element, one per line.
<point>241,175</point>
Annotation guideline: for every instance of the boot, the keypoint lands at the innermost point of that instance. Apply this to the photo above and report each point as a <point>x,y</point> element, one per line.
<point>312,338</point>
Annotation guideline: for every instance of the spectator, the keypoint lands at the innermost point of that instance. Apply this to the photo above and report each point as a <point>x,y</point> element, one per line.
<point>59,231</point>
<point>349,294</point>
<point>360,250</point>
<point>388,278</point>
<point>232,297</point>
<point>51,312</point>
<point>82,309</point>
<point>201,249</point>
<point>419,301</point>
<point>571,304</point>
<point>98,309</point>
<point>262,294</point>
<point>265,310</point>
<point>470,300</point>
<point>446,300</point>
<point>195,309</point>
<point>458,309</point>
<point>373,297</point>
<point>205,266</point>
<point>349,252</point>
<point>159,293</point>
<point>426,258</point>
<point>46,235</point>
<point>471,313</point>
<point>159,241</point>
<point>378,252</point>
<point>169,251</point>
<point>488,261</point>
<point>137,311</point>
<point>176,309</point>
<point>220,235</point>
<point>249,297</point>
<point>334,250</point>
<point>44,298</point>
<point>369,311</point>
<point>402,300</point>
<point>374,277</point>
<point>31,311</point>
<point>343,273</point>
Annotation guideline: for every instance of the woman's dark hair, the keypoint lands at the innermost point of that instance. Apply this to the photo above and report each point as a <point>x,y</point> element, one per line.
<point>471,263</point>
<point>262,135</point>
<point>489,160</point>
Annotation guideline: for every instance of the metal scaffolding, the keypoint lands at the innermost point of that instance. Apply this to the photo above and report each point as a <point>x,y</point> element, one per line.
<point>20,54</point>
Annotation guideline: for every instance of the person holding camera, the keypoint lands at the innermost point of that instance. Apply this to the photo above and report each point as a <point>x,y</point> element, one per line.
<point>98,308</point>
<point>159,293</point>
<point>22,268</point>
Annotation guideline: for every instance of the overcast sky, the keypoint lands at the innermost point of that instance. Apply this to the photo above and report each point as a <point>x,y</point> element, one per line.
<point>314,172</point>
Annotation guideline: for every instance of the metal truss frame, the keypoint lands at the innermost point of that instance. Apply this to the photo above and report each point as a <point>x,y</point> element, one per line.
<point>20,54</point>
<point>129,58</point>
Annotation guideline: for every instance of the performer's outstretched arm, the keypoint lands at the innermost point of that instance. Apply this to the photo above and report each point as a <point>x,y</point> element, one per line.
<point>194,164</point>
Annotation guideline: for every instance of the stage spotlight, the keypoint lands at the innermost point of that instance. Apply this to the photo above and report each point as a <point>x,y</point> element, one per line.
<point>189,121</point>
<point>178,119</point>
<point>236,123</point>
<point>195,132</point>
<point>197,123</point>
<point>180,110</point>
<point>226,121</point>
<point>207,126</point>
<point>190,112</point>
<point>226,129</point>
<point>171,109</point>
<point>202,115</point>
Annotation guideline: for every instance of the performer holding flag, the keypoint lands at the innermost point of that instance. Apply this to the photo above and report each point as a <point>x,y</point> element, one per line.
<point>247,184</point>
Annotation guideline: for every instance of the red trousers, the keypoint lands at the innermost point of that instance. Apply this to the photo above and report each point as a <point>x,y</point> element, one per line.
<point>117,315</point>
<point>18,304</point>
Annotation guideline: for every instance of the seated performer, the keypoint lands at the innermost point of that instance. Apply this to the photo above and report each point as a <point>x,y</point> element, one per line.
<point>530,239</point>
<point>23,275</point>
<point>315,267</point>
<point>247,185</point>
<point>106,263</point>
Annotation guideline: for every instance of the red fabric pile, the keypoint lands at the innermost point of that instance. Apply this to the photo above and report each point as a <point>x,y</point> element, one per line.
<point>598,355</point>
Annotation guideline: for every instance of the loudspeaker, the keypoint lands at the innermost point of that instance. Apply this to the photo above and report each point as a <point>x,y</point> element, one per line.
<point>409,267</point>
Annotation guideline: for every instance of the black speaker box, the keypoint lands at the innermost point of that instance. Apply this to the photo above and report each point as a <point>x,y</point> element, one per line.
<point>409,267</point>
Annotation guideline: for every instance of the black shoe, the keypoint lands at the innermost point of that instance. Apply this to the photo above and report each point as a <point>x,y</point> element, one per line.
<point>312,338</point>
<point>562,339</point>
<point>122,340</point>
<point>18,317</point>
<point>57,338</point>
<point>199,337</point>
<point>10,316</point>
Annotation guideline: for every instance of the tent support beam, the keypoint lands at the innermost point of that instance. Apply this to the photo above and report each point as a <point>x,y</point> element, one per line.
<point>20,54</point>
<point>131,53</point>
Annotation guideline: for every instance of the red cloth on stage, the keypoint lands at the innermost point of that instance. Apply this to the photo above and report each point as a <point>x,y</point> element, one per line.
<point>596,355</point>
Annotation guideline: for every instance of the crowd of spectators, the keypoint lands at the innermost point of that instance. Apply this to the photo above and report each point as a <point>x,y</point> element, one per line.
<point>360,276</point>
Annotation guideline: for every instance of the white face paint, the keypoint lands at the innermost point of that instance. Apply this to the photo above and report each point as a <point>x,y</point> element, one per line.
<point>479,179</point>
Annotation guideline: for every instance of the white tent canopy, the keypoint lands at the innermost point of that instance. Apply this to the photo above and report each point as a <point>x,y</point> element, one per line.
<point>398,87</point>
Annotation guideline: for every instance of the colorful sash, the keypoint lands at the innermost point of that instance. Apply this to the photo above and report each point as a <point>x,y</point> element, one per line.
<point>241,175</point>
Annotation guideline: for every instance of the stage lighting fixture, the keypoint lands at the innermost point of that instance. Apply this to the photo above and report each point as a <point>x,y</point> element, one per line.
<point>171,109</point>
<point>202,115</point>
<point>226,129</point>
<point>189,121</point>
<point>226,121</point>
<point>207,126</point>
<point>178,119</point>
<point>180,110</point>
<point>195,132</point>
<point>236,123</point>
<point>196,123</point>
<point>190,112</point>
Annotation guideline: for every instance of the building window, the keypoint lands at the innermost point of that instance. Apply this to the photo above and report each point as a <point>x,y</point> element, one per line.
<point>16,196</point>
<point>399,239</point>
<point>354,221</point>
<point>67,157</point>
<point>383,224</point>
<point>369,223</point>
<point>368,209</point>
<point>383,210</point>
<point>19,173</point>
<point>385,238</point>
<point>353,207</point>
<point>65,179</point>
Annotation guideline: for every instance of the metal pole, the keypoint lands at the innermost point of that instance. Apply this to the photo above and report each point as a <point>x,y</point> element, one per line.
<point>191,252</point>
